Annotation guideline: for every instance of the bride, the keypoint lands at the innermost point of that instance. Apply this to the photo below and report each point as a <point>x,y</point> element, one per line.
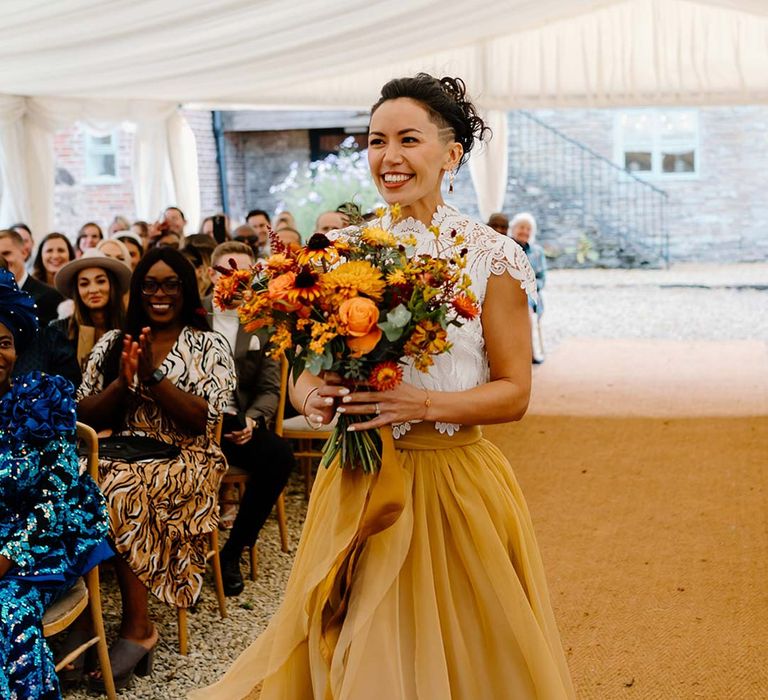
<point>424,581</point>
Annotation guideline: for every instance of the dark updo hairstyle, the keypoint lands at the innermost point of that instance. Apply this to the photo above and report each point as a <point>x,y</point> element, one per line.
<point>447,103</point>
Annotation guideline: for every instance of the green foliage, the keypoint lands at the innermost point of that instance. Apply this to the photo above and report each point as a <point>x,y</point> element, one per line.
<point>323,185</point>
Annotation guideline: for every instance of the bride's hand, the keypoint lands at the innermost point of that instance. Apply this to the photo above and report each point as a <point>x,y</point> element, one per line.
<point>400,405</point>
<point>321,403</point>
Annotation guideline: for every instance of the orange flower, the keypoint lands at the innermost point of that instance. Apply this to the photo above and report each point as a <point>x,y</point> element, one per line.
<point>386,376</point>
<point>279,290</point>
<point>363,345</point>
<point>465,306</point>
<point>319,249</point>
<point>229,287</point>
<point>358,316</point>
<point>278,264</point>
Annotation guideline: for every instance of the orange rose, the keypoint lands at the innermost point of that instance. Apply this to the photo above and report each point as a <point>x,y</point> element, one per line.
<point>358,316</point>
<point>363,345</point>
<point>278,288</point>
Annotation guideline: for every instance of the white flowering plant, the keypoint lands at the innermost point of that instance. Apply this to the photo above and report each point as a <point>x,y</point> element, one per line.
<point>322,185</point>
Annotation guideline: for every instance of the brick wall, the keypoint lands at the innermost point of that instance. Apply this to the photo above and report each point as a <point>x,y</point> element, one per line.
<point>75,199</point>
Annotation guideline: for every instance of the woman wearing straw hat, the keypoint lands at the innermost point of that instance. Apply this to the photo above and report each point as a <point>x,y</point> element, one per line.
<point>97,284</point>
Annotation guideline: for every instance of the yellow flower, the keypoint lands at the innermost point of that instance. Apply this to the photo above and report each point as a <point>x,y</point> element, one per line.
<point>306,287</point>
<point>319,250</point>
<point>322,334</point>
<point>279,263</point>
<point>396,277</point>
<point>381,212</point>
<point>351,279</point>
<point>280,341</point>
<point>378,237</point>
<point>427,339</point>
<point>395,212</point>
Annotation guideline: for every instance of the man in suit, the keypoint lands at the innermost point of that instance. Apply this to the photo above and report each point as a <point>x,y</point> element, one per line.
<point>249,442</point>
<point>46,298</point>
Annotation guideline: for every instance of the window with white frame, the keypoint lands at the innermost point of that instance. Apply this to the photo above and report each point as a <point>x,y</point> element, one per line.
<point>101,158</point>
<point>661,143</point>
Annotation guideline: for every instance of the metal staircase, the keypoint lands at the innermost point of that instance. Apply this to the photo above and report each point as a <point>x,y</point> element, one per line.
<point>584,204</point>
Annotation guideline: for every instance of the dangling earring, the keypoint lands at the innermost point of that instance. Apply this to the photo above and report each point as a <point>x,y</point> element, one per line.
<point>451,177</point>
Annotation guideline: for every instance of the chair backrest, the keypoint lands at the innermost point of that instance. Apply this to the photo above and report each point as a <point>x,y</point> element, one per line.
<point>88,436</point>
<point>283,397</point>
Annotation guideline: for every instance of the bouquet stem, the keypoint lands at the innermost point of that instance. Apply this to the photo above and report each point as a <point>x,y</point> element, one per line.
<point>356,449</point>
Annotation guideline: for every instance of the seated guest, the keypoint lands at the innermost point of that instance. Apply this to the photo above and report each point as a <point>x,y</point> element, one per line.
<point>260,222</point>
<point>54,251</point>
<point>141,229</point>
<point>167,377</point>
<point>330,221</point>
<point>287,235</point>
<point>197,249</point>
<point>119,223</point>
<point>251,445</point>
<point>285,218</point>
<point>499,223</point>
<point>115,249</point>
<point>172,221</point>
<point>97,285</point>
<point>169,239</point>
<point>53,522</point>
<point>88,236</point>
<point>29,240</point>
<point>46,298</point>
<point>134,244</point>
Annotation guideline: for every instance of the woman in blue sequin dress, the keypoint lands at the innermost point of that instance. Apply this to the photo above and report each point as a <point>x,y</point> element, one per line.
<point>53,520</point>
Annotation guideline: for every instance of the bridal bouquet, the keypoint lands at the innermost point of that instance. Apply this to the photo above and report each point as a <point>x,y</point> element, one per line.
<point>362,305</point>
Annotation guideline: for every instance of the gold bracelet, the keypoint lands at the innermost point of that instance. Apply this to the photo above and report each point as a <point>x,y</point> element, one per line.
<point>427,404</point>
<point>304,409</point>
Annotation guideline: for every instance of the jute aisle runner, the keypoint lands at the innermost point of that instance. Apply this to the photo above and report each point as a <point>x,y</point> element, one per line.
<point>644,465</point>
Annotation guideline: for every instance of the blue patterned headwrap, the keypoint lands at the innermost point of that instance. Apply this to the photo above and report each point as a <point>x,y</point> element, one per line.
<point>18,312</point>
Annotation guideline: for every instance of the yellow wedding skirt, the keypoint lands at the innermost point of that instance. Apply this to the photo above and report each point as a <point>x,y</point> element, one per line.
<point>423,582</point>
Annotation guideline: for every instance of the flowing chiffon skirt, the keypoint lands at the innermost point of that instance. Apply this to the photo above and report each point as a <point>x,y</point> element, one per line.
<point>423,582</point>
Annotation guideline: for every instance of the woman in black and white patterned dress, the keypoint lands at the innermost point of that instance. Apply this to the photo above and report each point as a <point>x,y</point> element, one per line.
<point>167,377</point>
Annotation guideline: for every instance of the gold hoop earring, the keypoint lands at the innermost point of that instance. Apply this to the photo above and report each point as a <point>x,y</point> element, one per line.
<point>451,177</point>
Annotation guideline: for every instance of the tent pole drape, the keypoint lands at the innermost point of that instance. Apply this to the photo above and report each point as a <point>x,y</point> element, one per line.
<point>164,167</point>
<point>488,166</point>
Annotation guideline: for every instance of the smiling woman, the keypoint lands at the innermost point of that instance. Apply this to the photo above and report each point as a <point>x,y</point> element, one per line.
<point>423,580</point>
<point>168,378</point>
<point>54,251</point>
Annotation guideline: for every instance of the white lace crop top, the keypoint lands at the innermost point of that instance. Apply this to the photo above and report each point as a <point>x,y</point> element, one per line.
<point>465,366</point>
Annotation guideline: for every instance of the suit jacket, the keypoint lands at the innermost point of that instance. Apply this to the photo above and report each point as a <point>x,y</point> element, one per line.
<point>258,376</point>
<point>46,298</point>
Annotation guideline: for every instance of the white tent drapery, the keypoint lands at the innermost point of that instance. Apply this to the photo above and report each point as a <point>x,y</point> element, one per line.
<point>165,162</point>
<point>512,54</point>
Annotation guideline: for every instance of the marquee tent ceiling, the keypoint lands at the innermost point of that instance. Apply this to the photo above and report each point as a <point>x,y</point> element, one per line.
<point>338,52</point>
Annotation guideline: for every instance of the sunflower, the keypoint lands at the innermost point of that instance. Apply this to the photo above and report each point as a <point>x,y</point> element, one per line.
<point>465,306</point>
<point>378,237</point>
<point>385,376</point>
<point>319,250</point>
<point>306,287</point>
<point>350,279</point>
<point>396,278</point>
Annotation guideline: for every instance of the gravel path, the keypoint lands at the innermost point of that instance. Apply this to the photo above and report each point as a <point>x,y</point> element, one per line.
<point>692,302</point>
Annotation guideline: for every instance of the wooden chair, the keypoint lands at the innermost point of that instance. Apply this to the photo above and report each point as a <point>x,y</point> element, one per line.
<point>299,430</point>
<point>211,555</point>
<point>84,594</point>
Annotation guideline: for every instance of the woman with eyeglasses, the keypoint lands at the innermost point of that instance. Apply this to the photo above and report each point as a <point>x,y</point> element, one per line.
<point>168,377</point>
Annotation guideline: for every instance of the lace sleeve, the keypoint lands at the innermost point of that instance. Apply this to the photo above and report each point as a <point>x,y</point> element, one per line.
<point>514,261</point>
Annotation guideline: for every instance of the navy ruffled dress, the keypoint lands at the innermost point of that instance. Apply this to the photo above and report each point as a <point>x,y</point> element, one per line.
<point>53,525</point>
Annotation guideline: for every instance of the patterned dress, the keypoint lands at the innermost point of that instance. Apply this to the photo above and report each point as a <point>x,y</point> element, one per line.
<point>161,510</point>
<point>53,525</point>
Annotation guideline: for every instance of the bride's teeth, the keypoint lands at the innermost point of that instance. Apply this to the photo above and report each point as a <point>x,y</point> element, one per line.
<point>396,178</point>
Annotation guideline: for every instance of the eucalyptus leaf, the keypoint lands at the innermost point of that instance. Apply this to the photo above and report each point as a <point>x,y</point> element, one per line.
<point>314,363</point>
<point>398,317</point>
<point>391,332</point>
